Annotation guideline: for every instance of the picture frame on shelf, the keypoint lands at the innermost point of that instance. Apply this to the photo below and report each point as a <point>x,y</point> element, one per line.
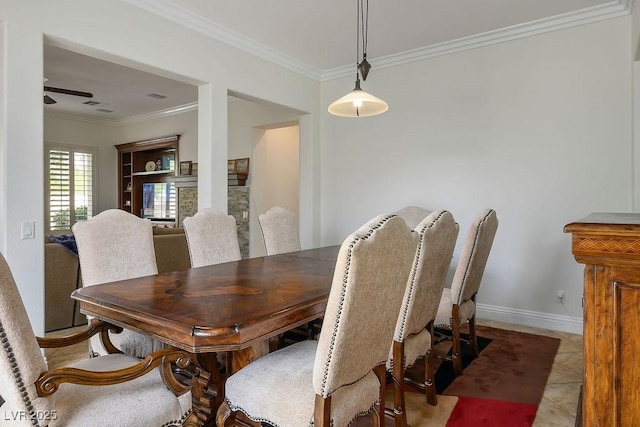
<point>185,167</point>
<point>242,166</point>
<point>168,162</point>
<point>231,166</point>
<point>194,169</point>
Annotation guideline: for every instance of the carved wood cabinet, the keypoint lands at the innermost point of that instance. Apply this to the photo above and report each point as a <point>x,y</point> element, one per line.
<point>608,244</point>
<point>140,163</point>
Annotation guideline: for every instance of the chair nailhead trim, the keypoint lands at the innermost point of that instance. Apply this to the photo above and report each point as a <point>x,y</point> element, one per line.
<point>345,279</point>
<point>414,272</point>
<point>176,423</point>
<point>6,346</point>
<point>475,241</point>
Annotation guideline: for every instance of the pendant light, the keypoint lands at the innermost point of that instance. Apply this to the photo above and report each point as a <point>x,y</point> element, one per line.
<point>359,103</point>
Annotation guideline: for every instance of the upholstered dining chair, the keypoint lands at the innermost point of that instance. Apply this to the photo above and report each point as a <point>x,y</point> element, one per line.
<point>279,231</point>
<point>437,235</point>
<point>116,245</point>
<point>113,390</point>
<point>458,304</point>
<point>280,235</point>
<point>412,215</point>
<point>342,375</point>
<point>212,238</point>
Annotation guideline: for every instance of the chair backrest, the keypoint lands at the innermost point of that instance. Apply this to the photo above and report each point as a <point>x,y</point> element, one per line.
<point>412,215</point>
<point>212,238</point>
<point>437,235</point>
<point>21,361</point>
<point>473,259</point>
<point>114,245</point>
<point>279,231</point>
<point>368,284</point>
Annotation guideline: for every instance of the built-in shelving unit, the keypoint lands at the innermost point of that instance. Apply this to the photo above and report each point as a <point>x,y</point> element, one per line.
<point>135,170</point>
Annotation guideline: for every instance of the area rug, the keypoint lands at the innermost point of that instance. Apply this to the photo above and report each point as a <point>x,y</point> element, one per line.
<point>502,387</point>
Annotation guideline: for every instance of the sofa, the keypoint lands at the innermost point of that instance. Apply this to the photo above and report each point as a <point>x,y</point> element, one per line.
<point>63,276</point>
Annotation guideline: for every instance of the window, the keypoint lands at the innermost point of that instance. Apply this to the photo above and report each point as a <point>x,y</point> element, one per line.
<point>70,186</point>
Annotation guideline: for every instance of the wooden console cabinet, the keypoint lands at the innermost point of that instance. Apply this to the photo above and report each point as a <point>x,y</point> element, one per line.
<point>608,244</point>
<point>133,172</point>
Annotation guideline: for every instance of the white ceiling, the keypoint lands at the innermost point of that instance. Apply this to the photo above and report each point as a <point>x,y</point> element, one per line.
<point>319,35</point>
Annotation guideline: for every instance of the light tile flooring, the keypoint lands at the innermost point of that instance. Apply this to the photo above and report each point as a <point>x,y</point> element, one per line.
<point>559,403</point>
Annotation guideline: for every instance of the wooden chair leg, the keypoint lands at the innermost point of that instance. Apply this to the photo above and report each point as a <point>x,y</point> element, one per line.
<point>456,357</point>
<point>381,373</point>
<point>399,413</point>
<point>322,411</point>
<point>429,384</point>
<point>473,338</point>
<point>376,417</point>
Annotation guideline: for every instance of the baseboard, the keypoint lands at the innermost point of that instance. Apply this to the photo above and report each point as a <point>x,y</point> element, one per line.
<point>534,319</point>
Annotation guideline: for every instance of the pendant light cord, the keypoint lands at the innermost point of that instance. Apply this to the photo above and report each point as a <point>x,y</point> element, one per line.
<point>358,38</point>
<point>364,18</point>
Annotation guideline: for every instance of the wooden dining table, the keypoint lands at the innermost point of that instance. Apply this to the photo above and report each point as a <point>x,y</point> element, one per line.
<point>234,307</point>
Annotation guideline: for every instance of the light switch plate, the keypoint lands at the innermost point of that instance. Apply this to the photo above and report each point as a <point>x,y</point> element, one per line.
<point>28,230</point>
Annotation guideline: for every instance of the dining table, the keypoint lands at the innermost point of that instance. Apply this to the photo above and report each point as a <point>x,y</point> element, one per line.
<point>232,308</point>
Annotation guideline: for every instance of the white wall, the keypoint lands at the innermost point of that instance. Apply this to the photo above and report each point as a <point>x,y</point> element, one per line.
<point>275,177</point>
<point>248,124</point>
<point>122,33</point>
<point>538,129</point>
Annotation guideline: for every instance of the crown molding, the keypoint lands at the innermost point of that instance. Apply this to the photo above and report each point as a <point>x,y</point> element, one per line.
<point>193,106</point>
<point>191,20</point>
<point>185,17</point>
<point>613,9</point>
<point>124,121</point>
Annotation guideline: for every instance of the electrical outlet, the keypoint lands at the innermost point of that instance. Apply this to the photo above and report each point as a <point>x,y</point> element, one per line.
<point>560,296</point>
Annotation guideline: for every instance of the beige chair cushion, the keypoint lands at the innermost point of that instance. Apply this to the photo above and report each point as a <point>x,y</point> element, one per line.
<point>279,231</point>
<point>287,374</point>
<point>144,401</point>
<point>444,317</point>
<point>415,346</point>
<point>212,237</point>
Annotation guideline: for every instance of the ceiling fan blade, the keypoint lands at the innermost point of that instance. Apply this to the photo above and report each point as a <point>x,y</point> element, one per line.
<point>68,91</point>
<point>49,100</point>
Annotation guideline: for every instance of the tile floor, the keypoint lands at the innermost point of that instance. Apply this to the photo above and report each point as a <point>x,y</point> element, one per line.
<point>559,403</point>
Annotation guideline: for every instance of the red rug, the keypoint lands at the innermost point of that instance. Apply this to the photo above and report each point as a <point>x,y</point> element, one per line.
<point>502,387</point>
<point>471,411</point>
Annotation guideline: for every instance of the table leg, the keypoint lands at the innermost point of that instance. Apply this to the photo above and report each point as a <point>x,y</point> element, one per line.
<point>241,358</point>
<point>207,390</point>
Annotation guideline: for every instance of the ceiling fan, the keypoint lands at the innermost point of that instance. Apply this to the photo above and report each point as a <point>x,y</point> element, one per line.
<point>48,100</point>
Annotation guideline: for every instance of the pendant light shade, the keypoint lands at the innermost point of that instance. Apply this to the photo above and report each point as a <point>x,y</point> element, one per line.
<point>359,103</point>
